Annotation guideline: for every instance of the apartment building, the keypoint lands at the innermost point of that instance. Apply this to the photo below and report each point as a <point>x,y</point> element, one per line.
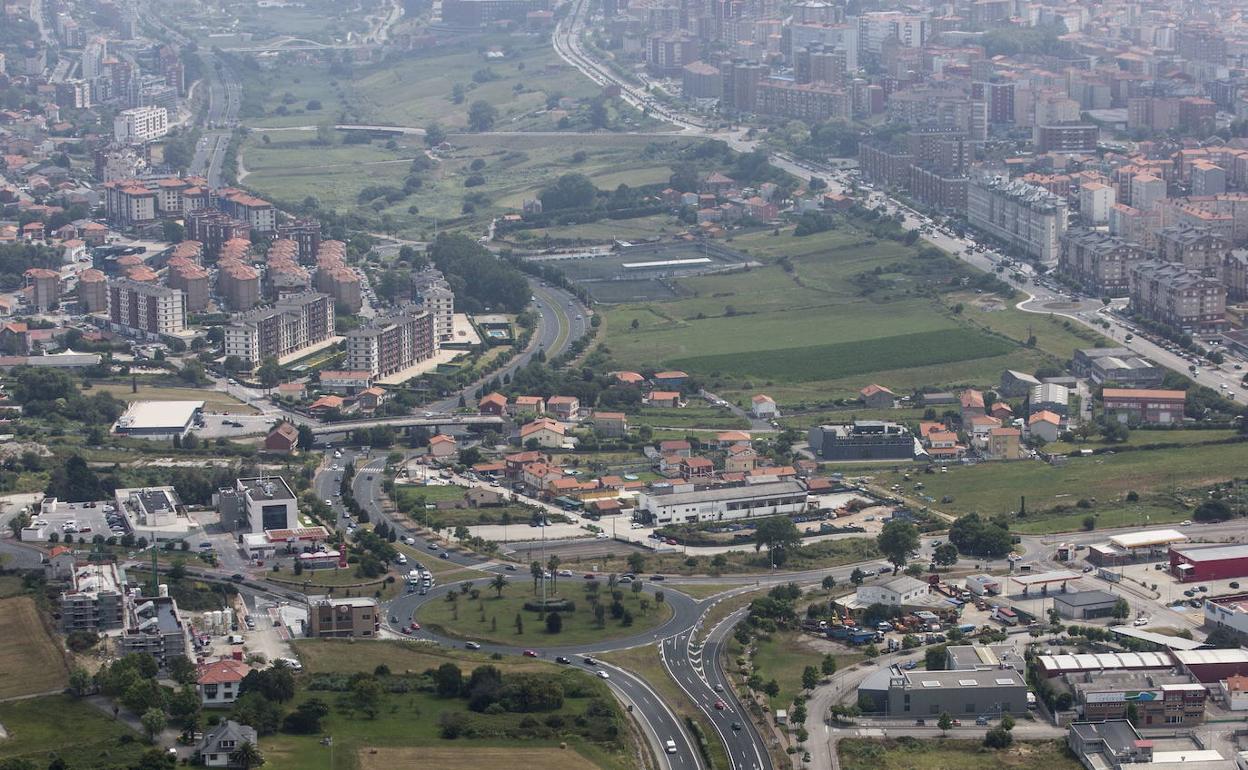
<point>214,229</point>
<point>140,125</point>
<point>92,291</point>
<point>259,214</point>
<point>191,280</point>
<point>1197,249</point>
<point>343,617</point>
<point>433,293</point>
<point>129,204</point>
<point>238,285</point>
<point>806,101</point>
<point>294,323</point>
<point>392,341</point>
<point>45,288</point>
<point>1100,263</point>
<point>153,626</point>
<point>95,600</point>
<point>1065,137</point>
<point>145,309</point>
<point>1022,215</point>
<point>1171,294</point>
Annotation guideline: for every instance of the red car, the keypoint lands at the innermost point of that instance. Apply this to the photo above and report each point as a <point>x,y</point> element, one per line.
<point>589,576</point>
<point>415,626</point>
<point>530,653</point>
<point>720,705</point>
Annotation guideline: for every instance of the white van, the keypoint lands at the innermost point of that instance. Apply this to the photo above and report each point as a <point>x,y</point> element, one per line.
<point>401,559</point>
<point>670,746</point>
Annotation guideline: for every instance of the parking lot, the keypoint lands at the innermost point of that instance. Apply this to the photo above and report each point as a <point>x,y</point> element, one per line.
<point>81,520</point>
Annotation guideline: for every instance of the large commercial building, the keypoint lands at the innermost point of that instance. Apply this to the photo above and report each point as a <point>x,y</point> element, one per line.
<point>140,125</point>
<point>988,691</point>
<point>863,440</point>
<point>1118,365</point>
<point>1022,215</point>
<point>145,309</point>
<point>1173,295</point>
<point>720,503</point>
<point>258,503</point>
<point>1218,562</point>
<point>343,618</point>
<point>1085,605</point>
<point>392,341</point>
<point>900,591</point>
<point>1159,407</point>
<point>1159,700</point>
<point>294,323</point>
<point>1229,612</point>
<point>159,419</point>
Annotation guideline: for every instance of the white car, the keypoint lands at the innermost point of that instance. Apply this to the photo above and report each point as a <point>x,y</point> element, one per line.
<point>603,675</point>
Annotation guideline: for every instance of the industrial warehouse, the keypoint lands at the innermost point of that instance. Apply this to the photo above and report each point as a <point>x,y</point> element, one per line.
<point>1216,562</point>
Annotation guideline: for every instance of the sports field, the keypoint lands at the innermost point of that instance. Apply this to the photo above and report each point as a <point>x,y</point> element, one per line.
<point>30,659</point>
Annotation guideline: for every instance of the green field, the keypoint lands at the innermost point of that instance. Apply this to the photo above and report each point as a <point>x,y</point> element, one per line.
<point>30,659</point>
<point>948,754</point>
<point>828,314</point>
<point>1165,479</point>
<point>59,726</point>
<point>214,401</point>
<point>783,656</point>
<point>490,618</point>
<point>339,655</point>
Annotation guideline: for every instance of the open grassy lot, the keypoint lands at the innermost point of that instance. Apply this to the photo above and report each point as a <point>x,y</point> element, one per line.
<point>214,401</point>
<point>58,725</point>
<point>783,656</point>
<point>474,759</point>
<point>1155,475</point>
<point>493,618</point>
<point>710,418</point>
<point>30,659</point>
<point>344,656</point>
<point>947,754</point>
<point>1145,438</point>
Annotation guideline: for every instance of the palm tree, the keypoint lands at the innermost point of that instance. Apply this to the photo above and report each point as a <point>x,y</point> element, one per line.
<point>248,756</point>
<point>553,565</point>
<point>498,584</point>
<point>535,569</point>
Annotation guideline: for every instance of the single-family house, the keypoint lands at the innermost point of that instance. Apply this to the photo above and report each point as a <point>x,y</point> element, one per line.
<point>371,399</point>
<point>294,390</point>
<point>220,745</point>
<point>628,378</point>
<point>763,407</point>
<point>547,433</point>
<point>219,681</point>
<point>696,468</point>
<point>676,446</point>
<point>877,397</point>
<point>943,446</point>
<point>60,564</point>
<point>515,463</point>
<point>729,438</point>
<point>284,439</point>
<point>533,406</point>
<point>494,403</point>
<point>611,424</point>
<point>1003,444</point>
<point>1001,410</point>
<point>1045,425</point>
<point>972,403</point>
<point>325,404</point>
<point>741,458</point>
<point>443,447</point>
<point>669,379</point>
<point>668,399</point>
<point>566,408</point>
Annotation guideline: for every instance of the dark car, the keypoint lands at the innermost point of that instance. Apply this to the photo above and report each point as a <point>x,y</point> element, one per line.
<point>510,568</point>
<point>657,578</point>
<point>564,660</point>
<point>587,660</point>
<point>736,726</point>
<point>237,577</point>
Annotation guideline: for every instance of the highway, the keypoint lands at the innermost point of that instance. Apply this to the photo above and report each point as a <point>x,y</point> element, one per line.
<point>224,99</point>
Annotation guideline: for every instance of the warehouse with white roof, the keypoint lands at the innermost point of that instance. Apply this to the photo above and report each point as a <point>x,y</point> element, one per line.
<point>159,419</point>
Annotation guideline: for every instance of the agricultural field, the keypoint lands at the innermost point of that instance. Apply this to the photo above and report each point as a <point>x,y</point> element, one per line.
<point>493,618</point>
<point>828,314</point>
<point>1168,482</point>
<point>29,657</point>
<point>948,754</point>
<point>39,728</point>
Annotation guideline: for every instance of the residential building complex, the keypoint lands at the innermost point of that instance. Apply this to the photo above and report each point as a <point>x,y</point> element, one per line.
<point>392,341</point>
<point>1021,215</point>
<point>145,309</point>
<point>293,324</point>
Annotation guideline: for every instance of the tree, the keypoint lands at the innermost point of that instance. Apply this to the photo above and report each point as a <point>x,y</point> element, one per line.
<point>154,722</point>
<point>828,665</point>
<point>535,569</point>
<point>366,695</point>
<point>1133,714</point>
<point>448,680</point>
<point>247,756</point>
<point>434,134</point>
<point>810,678</point>
<point>269,373</point>
<point>897,540</point>
<point>636,562</point>
<point>306,718</point>
<point>945,723</point>
<point>857,576</point>
<point>498,584</point>
<point>307,439</point>
<point>779,535</point>
<point>554,623</point>
<point>828,582</point>
<point>553,565</point>
<point>998,738</point>
<point>1121,610</point>
<point>80,682</point>
<point>325,134</point>
<point>1007,722</point>
<point>1212,510</point>
<point>181,669</point>
<point>1089,523</point>
<point>570,191</point>
<point>946,555</point>
<point>481,115</point>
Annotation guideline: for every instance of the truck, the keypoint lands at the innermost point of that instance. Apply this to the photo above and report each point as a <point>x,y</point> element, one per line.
<point>967,628</point>
<point>853,635</point>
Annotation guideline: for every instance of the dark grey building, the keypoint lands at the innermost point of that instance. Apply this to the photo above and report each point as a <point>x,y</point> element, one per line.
<point>1085,605</point>
<point>153,626</point>
<point>989,691</point>
<point>1118,365</point>
<point>863,440</point>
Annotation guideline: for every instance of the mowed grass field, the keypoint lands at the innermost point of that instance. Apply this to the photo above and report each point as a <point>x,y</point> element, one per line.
<point>61,726</point>
<point>950,754</point>
<point>30,659</point>
<point>214,401</point>
<point>462,758</point>
<point>805,330</point>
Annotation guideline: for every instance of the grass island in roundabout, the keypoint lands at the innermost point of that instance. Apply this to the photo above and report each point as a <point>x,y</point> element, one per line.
<point>574,612</point>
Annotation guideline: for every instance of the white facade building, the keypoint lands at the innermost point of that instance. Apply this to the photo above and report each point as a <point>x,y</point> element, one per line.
<point>140,125</point>
<point>723,503</point>
<point>897,592</point>
<point>1024,216</point>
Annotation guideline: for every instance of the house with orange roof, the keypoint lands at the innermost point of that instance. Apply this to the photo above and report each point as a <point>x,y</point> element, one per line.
<point>60,564</point>
<point>943,446</point>
<point>696,468</point>
<point>668,399</point>
<point>728,438</point>
<point>1142,405</point>
<point>545,432</point>
<point>972,402</point>
<point>763,407</point>
<point>371,399</point>
<point>628,378</point>
<point>283,439</point>
<point>672,379</point>
<point>494,403</point>
<point>443,447</point>
<point>566,408</point>
<point>676,446</point>
<point>220,681</point>
<point>515,463</point>
<point>877,397</point>
<point>1004,444</point>
<point>325,404</point>
<point>610,424</point>
<point>1001,410</point>
<point>528,405</point>
<point>1045,425</point>
<point>741,458</point>
<point>979,428</point>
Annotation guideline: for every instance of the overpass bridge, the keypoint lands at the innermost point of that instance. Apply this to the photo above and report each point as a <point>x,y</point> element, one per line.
<point>408,422</point>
